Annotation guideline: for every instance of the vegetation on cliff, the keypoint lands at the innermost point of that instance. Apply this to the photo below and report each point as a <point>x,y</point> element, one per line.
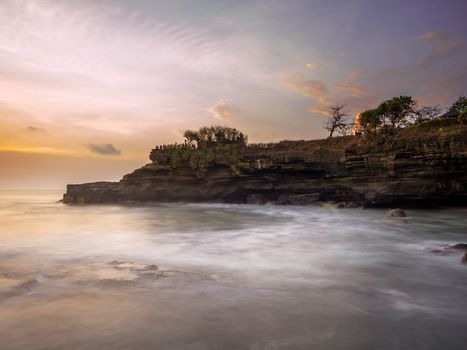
<point>208,146</point>
<point>394,121</point>
<point>382,122</point>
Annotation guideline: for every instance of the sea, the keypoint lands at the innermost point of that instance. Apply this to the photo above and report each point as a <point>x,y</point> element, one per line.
<point>214,276</point>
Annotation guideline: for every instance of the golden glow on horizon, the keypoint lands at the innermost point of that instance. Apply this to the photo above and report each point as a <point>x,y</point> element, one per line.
<point>40,150</point>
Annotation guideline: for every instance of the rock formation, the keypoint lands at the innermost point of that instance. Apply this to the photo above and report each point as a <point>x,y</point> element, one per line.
<point>395,213</point>
<point>419,168</point>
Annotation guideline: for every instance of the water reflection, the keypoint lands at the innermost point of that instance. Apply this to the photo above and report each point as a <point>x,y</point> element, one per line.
<point>227,277</point>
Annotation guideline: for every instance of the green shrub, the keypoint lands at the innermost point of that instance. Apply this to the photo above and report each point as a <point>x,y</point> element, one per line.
<point>209,146</point>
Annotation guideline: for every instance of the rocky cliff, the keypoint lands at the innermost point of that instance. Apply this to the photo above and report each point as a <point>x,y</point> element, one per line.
<point>415,167</point>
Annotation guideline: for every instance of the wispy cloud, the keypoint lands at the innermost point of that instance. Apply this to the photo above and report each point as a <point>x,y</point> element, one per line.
<point>442,46</point>
<point>315,89</point>
<point>35,129</point>
<point>320,110</point>
<point>433,36</point>
<point>223,110</point>
<point>354,74</point>
<point>104,149</point>
<point>352,88</point>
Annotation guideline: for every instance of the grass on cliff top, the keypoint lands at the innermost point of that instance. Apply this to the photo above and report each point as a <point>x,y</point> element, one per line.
<point>432,130</point>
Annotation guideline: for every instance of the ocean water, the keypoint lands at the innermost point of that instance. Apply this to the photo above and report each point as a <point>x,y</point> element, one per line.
<point>186,276</point>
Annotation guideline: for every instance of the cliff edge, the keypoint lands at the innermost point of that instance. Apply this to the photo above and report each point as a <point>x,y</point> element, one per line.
<point>418,166</point>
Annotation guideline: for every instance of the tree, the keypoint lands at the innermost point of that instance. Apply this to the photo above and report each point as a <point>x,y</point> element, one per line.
<point>396,111</point>
<point>425,113</point>
<point>460,105</point>
<point>211,136</point>
<point>370,121</point>
<point>336,120</point>
<point>191,137</point>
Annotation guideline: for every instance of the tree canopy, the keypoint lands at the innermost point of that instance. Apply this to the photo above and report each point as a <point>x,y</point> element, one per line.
<point>208,146</point>
<point>460,105</point>
<point>397,112</point>
<point>215,135</point>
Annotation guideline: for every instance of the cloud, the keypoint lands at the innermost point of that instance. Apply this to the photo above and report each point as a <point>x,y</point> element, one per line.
<point>223,110</point>
<point>310,66</point>
<point>35,129</point>
<point>315,89</point>
<point>104,149</point>
<point>320,109</point>
<point>441,52</point>
<point>433,36</point>
<point>355,74</point>
<point>354,89</point>
<point>442,45</point>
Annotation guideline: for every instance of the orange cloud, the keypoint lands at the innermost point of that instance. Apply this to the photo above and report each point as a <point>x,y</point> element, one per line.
<point>312,88</point>
<point>355,74</point>
<point>354,89</point>
<point>310,66</point>
<point>320,110</point>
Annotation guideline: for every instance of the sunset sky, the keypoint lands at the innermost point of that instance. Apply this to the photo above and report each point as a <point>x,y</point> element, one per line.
<point>88,87</point>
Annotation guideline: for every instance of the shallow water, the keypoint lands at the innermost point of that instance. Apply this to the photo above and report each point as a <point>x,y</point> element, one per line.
<point>182,276</point>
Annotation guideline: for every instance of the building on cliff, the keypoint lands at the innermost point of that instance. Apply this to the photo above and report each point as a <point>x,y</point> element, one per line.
<point>450,114</point>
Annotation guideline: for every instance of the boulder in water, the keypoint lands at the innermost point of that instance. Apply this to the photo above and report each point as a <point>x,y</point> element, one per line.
<point>464,258</point>
<point>459,246</point>
<point>395,213</point>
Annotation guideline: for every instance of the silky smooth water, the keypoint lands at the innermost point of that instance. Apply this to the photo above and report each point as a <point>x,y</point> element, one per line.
<point>181,276</point>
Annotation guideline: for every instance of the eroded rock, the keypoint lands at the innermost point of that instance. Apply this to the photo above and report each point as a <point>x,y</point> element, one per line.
<point>395,213</point>
<point>418,170</point>
<point>299,199</point>
<point>459,246</point>
<point>347,205</point>
<point>255,199</point>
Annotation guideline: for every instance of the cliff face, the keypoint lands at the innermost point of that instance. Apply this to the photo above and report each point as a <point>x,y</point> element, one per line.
<point>418,168</point>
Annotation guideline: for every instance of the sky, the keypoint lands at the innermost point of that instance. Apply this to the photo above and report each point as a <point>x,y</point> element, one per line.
<point>88,87</point>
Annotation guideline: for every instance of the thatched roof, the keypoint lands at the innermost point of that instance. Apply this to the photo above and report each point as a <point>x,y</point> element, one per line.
<point>449,114</point>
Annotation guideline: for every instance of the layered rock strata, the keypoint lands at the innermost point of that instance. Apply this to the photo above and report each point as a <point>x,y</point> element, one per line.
<point>414,168</point>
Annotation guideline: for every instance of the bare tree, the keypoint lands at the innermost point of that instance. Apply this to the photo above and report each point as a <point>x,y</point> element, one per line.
<point>425,113</point>
<point>336,121</point>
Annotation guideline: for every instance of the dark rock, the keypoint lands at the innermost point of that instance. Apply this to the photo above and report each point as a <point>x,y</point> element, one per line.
<point>298,199</point>
<point>450,249</point>
<point>464,258</point>
<point>347,205</point>
<point>304,199</point>
<point>255,198</point>
<point>395,213</point>
<point>416,170</point>
<point>459,246</point>
<point>283,199</point>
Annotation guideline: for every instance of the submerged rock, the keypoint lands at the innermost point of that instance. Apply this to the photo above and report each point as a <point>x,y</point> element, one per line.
<point>452,249</point>
<point>395,213</point>
<point>459,246</point>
